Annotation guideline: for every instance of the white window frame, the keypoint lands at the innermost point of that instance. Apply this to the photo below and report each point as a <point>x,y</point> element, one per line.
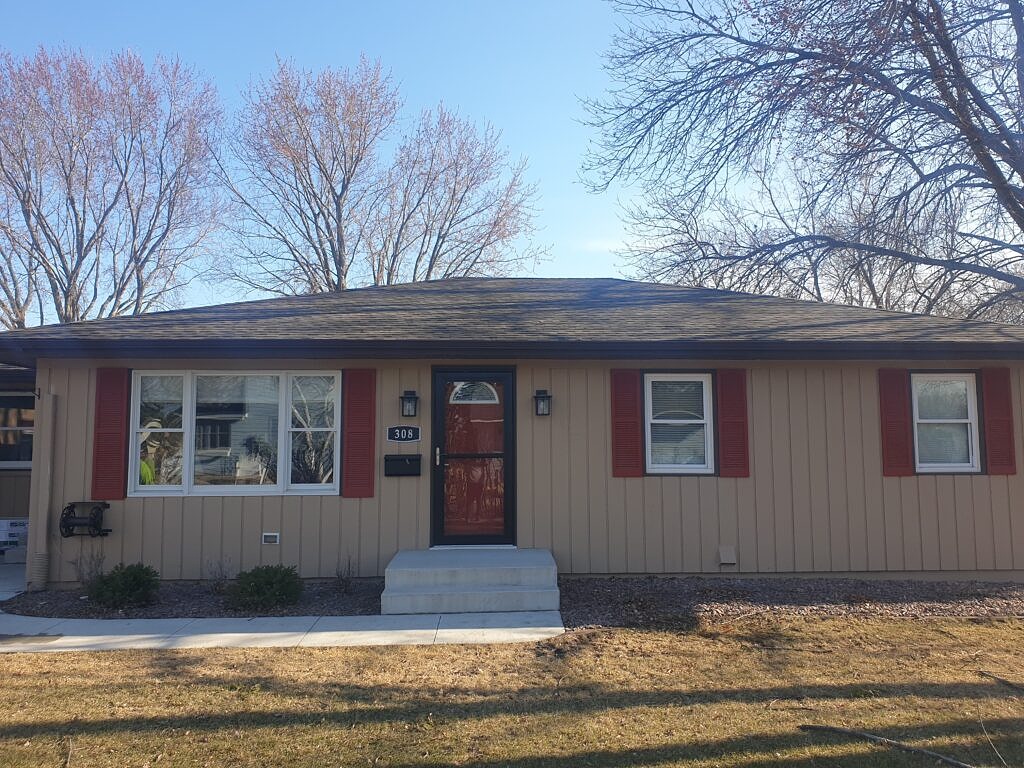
<point>283,487</point>
<point>708,468</point>
<point>20,464</point>
<point>972,422</point>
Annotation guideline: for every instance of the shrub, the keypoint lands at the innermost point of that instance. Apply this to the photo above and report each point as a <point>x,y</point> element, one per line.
<point>124,586</point>
<point>264,587</point>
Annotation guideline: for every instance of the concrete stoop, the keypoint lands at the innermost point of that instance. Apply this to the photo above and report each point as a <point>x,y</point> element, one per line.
<point>470,580</point>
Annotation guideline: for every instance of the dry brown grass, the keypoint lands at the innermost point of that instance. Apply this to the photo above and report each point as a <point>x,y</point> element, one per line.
<point>731,695</point>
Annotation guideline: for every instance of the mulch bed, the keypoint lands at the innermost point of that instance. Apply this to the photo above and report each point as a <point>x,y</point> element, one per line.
<point>202,600</point>
<point>677,602</point>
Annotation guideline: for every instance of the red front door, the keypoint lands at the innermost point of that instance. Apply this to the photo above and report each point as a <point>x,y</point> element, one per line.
<point>472,456</point>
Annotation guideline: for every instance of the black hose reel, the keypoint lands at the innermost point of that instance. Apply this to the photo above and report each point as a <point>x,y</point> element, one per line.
<point>71,521</point>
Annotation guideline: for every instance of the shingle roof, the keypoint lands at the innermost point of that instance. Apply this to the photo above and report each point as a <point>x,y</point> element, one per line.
<point>521,317</point>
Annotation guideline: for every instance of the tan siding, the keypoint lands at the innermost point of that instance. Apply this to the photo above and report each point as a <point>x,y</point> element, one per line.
<point>579,509</point>
<point>816,500</point>
<point>803,523</point>
<point>540,492</point>
<point>817,455</point>
<point>689,490</point>
<point>561,519</point>
<point>910,513</point>
<point>597,439</point>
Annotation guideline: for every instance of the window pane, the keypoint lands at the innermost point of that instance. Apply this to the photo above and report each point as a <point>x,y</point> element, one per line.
<point>160,457</point>
<point>312,458</point>
<point>160,402</point>
<point>17,411</point>
<point>677,399</point>
<point>15,445</point>
<point>941,399</point>
<point>236,421</point>
<point>943,443</point>
<point>678,444</point>
<point>312,402</point>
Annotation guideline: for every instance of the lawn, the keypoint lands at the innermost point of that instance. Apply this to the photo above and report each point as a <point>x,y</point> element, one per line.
<point>730,694</point>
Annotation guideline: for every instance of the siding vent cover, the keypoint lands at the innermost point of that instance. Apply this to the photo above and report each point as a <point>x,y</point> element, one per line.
<point>271,538</point>
<point>727,554</point>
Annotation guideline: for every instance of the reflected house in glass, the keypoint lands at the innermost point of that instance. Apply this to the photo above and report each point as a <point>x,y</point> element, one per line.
<point>625,427</point>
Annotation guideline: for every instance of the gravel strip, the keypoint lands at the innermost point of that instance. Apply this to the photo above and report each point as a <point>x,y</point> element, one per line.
<point>690,601</point>
<point>199,600</point>
<point>641,601</point>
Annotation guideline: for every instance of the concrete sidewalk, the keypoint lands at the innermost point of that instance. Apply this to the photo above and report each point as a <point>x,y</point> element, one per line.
<point>12,580</point>
<point>30,634</point>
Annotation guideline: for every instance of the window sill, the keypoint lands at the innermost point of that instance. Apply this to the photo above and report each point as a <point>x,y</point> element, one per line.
<point>948,470</point>
<point>15,465</point>
<point>661,471</point>
<point>230,492</point>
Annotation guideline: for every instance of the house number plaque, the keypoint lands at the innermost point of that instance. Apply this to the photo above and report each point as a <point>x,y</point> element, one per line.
<point>403,434</point>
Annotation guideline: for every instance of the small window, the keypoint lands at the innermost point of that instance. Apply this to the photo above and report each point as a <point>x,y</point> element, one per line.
<point>474,392</point>
<point>945,422</point>
<point>679,423</point>
<point>159,431</point>
<point>17,424</point>
<point>312,431</point>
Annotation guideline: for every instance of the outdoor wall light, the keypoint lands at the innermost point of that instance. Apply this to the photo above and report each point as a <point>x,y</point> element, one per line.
<point>542,403</point>
<point>410,402</point>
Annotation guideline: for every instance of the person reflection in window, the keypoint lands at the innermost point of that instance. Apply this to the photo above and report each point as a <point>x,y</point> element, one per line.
<point>147,467</point>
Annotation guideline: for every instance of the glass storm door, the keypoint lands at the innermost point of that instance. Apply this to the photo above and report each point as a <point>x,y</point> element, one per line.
<point>473,457</point>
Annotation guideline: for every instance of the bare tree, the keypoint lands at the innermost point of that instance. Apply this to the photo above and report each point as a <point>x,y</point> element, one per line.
<point>448,206</point>
<point>748,245</point>
<point>323,209</point>
<point>923,98</point>
<point>105,183</point>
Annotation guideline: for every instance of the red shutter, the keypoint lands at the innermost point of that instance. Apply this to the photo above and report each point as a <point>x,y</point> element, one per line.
<point>897,428</point>
<point>627,424</point>
<point>733,451</point>
<point>997,410</point>
<point>359,430</point>
<point>110,434</point>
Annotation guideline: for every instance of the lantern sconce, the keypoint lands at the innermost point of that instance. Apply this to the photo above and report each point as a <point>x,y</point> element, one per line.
<point>410,403</point>
<point>542,403</point>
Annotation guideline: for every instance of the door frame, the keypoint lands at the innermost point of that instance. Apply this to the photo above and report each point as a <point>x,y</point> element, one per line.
<point>440,375</point>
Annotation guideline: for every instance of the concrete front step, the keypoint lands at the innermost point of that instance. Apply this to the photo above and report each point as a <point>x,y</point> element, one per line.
<point>470,580</point>
<point>476,600</point>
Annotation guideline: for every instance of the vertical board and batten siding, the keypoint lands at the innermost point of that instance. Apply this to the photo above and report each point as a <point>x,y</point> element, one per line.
<point>815,499</point>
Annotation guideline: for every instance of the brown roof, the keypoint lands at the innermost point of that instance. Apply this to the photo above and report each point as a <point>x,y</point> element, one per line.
<point>521,317</point>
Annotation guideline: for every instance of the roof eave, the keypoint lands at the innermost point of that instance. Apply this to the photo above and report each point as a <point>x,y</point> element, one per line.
<point>28,352</point>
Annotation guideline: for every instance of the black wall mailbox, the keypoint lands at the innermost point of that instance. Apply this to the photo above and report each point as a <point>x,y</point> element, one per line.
<point>402,465</point>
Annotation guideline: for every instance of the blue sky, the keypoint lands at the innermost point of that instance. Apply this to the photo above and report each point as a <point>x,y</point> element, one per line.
<point>521,65</point>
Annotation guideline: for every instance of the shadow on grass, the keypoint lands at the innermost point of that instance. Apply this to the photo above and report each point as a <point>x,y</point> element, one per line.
<point>383,704</point>
<point>954,737</point>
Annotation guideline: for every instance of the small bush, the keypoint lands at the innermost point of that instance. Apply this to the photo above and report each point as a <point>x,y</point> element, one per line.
<point>265,587</point>
<point>124,586</point>
<point>344,576</point>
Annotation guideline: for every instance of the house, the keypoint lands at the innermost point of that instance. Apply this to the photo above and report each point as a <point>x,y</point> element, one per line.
<point>17,411</point>
<point>627,428</point>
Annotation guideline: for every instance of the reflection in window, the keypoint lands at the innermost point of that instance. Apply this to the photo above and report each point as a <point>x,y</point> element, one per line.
<point>159,436</point>
<point>243,411</point>
<point>17,423</point>
<point>467,392</point>
<point>236,433</point>
<point>312,429</point>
